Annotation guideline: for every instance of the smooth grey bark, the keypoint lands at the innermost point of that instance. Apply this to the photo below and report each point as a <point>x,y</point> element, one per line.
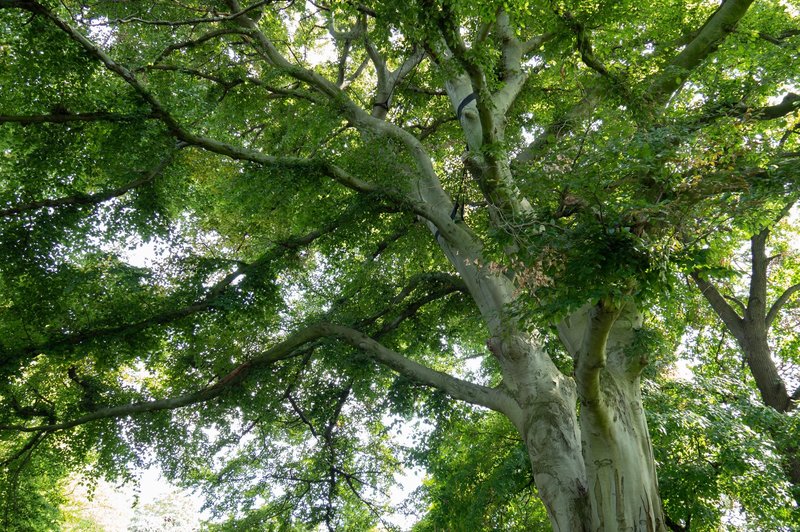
<point>547,421</point>
<point>586,434</point>
<point>622,486</point>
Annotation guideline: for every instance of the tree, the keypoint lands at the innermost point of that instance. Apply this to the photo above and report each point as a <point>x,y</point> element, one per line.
<point>346,196</point>
<point>761,318</point>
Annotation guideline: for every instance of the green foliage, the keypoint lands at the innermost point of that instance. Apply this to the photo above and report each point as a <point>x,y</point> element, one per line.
<point>479,477</point>
<point>265,203</point>
<point>716,457</point>
<point>31,495</point>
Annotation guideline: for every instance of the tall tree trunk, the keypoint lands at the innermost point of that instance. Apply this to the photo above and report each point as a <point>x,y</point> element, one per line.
<point>594,473</point>
<point>619,460</point>
<point>617,448</point>
<point>758,356</point>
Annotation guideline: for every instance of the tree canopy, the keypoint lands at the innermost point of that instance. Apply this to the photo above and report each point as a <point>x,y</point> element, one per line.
<point>561,234</point>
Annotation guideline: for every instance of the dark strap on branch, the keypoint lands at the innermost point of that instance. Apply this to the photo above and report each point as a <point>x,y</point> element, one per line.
<point>453,216</point>
<point>465,102</point>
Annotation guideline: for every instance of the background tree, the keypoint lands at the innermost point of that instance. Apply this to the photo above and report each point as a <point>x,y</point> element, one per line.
<point>754,298</point>
<point>348,199</point>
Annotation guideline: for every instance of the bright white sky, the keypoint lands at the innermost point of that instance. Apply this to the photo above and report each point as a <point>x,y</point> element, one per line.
<point>112,506</point>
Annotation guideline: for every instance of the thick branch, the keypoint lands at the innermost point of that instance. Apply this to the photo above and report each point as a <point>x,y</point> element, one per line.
<point>482,113</point>
<point>779,303</point>
<point>584,44</point>
<point>662,85</point>
<point>451,33</point>
<point>281,351</point>
<point>388,80</point>
<point>514,75</point>
<point>789,104</point>
<point>456,388</point>
<point>437,205</point>
<point>726,313</point>
<point>490,123</point>
<point>716,28</point>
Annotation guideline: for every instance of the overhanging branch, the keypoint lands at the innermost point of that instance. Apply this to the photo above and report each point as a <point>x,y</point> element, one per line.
<point>781,38</point>
<point>278,352</point>
<point>207,302</point>
<point>454,387</point>
<point>789,104</point>
<point>716,28</point>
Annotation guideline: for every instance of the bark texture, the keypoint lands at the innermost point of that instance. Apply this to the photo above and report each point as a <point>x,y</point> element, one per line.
<point>594,471</point>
